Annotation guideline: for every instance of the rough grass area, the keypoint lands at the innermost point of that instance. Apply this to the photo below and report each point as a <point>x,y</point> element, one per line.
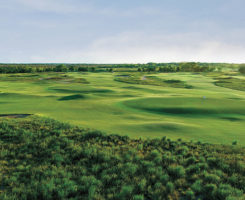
<point>151,80</point>
<point>230,82</point>
<point>43,78</point>
<point>44,159</point>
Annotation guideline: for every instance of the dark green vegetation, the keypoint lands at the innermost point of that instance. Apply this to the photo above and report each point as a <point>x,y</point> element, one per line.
<point>232,83</point>
<point>44,159</point>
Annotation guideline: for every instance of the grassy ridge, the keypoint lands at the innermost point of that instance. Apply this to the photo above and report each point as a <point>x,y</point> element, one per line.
<point>44,159</point>
<point>151,80</point>
<point>232,83</point>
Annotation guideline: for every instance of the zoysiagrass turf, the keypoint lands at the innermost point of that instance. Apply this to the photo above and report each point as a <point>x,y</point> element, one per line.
<point>205,112</point>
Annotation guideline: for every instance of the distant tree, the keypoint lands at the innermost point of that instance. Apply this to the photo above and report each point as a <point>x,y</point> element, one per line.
<point>92,69</point>
<point>39,69</point>
<point>187,67</point>
<point>61,68</point>
<point>151,69</point>
<point>242,69</point>
<point>71,68</point>
<point>82,69</point>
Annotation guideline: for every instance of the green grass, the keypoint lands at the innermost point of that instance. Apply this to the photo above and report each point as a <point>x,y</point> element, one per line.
<point>136,110</point>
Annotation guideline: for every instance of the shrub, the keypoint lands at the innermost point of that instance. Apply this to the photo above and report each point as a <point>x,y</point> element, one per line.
<point>141,185</point>
<point>190,195</point>
<point>126,192</point>
<point>164,179</point>
<point>197,186</point>
<point>176,171</point>
<point>191,160</point>
<point>183,150</point>
<point>170,187</point>
<point>225,190</point>
<point>130,168</point>
<point>211,178</point>
<point>212,162</point>
<point>138,197</point>
<point>209,191</point>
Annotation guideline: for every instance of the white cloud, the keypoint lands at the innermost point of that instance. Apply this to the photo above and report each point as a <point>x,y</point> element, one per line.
<point>138,47</point>
<point>135,47</point>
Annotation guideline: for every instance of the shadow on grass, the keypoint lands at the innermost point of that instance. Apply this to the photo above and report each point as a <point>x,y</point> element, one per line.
<point>15,115</point>
<point>72,97</point>
<point>162,127</point>
<point>232,119</point>
<point>195,111</point>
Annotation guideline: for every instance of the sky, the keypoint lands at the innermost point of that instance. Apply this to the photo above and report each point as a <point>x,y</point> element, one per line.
<point>122,31</point>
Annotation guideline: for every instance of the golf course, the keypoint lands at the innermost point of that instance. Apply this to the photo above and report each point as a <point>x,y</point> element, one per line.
<point>152,131</point>
<point>186,105</point>
<point>122,100</point>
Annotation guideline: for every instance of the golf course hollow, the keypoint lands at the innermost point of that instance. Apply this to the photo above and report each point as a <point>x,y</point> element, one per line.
<point>16,95</point>
<point>188,106</point>
<point>165,126</point>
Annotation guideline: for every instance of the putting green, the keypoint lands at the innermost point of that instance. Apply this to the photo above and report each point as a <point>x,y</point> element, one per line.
<point>96,100</point>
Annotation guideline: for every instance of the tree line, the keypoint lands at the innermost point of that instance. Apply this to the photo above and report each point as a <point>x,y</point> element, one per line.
<point>148,67</point>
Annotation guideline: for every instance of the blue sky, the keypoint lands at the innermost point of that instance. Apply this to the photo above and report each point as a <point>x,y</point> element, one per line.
<point>116,31</point>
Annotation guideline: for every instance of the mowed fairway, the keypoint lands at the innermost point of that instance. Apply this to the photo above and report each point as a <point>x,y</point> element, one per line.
<point>205,112</point>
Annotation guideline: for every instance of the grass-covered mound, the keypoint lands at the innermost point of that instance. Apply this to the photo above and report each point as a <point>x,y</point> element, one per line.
<point>44,159</point>
<point>189,106</point>
<point>232,83</point>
